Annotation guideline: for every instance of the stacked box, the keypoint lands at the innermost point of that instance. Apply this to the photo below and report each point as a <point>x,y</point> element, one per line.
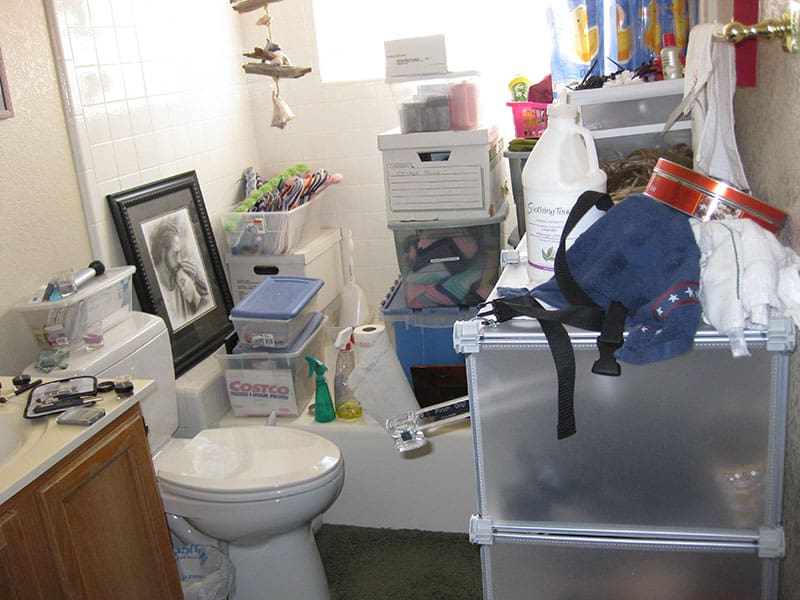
<point>449,262</point>
<point>278,232</point>
<point>422,337</point>
<point>320,258</point>
<point>631,117</point>
<point>275,313</point>
<point>443,174</point>
<point>260,383</point>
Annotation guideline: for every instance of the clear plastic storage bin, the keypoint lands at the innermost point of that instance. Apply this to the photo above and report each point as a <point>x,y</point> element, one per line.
<point>260,383</point>
<point>449,263</point>
<point>275,312</point>
<point>437,102</point>
<point>256,233</point>
<point>54,324</point>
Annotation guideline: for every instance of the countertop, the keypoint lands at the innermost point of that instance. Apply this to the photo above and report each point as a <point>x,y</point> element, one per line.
<point>47,442</point>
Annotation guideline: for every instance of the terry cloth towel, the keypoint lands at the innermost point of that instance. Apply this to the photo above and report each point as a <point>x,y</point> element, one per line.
<point>643,254</point>
<point>746,274</point>
<point>709,87</point>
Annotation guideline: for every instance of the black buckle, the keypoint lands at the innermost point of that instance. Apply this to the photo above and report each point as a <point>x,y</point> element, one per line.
<point>611,340</point>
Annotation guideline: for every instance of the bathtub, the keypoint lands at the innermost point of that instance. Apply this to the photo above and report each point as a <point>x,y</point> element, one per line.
<point>433,488</point>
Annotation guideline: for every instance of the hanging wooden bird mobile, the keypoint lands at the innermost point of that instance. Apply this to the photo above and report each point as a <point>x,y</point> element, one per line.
<point>271,61</point>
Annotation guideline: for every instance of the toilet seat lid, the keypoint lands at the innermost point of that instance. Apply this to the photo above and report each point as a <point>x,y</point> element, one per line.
<point>248,459</point>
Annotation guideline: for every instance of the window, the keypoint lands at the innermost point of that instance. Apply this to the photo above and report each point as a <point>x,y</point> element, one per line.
<point>501,39</point>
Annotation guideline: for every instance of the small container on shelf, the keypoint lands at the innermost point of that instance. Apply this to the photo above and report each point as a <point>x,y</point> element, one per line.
<point>437,102</point>
<point>530,118</point>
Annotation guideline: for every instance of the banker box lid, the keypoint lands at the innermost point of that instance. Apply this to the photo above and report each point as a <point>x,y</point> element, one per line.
<point>278,297</point>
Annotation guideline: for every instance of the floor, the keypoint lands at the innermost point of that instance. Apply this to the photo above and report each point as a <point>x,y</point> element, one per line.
<point>404,564</point>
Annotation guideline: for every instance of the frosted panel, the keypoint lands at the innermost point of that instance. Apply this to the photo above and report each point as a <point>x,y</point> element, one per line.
<point>682,443</point>
<point>533,571</point>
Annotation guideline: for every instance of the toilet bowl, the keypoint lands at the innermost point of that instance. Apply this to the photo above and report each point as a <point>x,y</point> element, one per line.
<point>257,489</point>
<point>254,489</point>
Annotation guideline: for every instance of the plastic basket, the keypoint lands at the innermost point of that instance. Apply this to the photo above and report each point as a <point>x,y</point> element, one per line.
<point>257,233</point>
<point>530,118</point>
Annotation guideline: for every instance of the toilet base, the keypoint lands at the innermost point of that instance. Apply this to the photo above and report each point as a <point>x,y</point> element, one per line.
<point>286,566</point>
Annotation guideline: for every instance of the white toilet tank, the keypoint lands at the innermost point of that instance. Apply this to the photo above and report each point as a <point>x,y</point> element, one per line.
<point>139,347</point>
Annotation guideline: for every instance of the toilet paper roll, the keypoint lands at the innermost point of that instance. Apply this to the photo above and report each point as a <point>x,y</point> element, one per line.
<point>378,381</point>
<point>367,335</point>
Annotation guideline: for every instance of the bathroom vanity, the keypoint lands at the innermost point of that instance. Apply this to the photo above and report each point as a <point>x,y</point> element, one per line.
<point>80,511</point>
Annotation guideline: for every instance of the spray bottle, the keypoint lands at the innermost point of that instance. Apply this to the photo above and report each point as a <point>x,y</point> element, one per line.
<point>347,407</point>
<point>323,407</point>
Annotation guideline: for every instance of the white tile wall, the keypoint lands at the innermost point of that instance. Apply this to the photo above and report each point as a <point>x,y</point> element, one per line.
<point>145,82</point>
<point>155,87</point>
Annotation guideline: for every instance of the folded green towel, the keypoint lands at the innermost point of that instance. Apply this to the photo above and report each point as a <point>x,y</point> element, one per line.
<point>522,144</point>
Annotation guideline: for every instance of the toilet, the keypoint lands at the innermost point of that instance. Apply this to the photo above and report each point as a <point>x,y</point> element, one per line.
<point>255,489</point>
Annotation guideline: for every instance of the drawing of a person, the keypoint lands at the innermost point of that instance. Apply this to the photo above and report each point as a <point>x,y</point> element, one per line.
<point>183,290</point>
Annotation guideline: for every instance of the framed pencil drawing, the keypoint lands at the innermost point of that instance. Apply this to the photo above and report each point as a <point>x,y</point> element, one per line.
<point>165,233</point>
<point>6,110</point>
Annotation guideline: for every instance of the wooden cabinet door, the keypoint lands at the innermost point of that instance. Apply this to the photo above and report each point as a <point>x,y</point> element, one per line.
<point>18,572</point>
<point>105,520</point>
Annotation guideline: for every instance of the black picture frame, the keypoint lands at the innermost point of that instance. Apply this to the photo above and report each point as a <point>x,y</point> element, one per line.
<point>6,109</point>
<point>165,233</point>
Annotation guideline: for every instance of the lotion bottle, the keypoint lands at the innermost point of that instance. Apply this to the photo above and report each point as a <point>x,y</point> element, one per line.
<point>671,66</point>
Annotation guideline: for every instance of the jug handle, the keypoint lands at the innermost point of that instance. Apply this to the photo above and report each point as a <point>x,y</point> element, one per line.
<point>591,150</point>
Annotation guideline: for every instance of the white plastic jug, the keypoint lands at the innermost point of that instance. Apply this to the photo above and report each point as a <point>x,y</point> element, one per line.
<point>562,165</point>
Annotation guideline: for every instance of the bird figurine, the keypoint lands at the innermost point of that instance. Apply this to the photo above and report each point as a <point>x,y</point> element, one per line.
<point>270,54</point>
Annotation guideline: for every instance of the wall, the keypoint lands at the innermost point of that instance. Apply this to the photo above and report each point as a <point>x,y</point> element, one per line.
<point>768,133</point>
<point>152,89</point>
<point>41,222</point>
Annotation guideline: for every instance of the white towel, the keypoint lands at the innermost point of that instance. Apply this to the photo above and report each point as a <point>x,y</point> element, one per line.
<point>746,274</point>
<point>709,87</point>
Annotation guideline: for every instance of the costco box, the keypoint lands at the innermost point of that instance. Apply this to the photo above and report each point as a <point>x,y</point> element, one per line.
<point>442,174</point>
<point>320,257</point>
<point>449,263</point>
<point>61,323</point>
<point>260,383</point>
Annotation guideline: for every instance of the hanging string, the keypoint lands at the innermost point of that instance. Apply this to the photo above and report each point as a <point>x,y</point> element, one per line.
<point>266,19</point>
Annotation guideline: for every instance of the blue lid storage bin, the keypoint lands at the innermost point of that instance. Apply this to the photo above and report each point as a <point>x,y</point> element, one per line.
<point>422,337</point>
<point>274,314</point>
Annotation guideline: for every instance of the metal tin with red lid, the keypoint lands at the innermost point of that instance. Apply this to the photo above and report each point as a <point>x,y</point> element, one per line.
<point>707,199</point>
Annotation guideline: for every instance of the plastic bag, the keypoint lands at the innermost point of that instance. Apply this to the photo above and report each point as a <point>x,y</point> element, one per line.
<point>206,573</point>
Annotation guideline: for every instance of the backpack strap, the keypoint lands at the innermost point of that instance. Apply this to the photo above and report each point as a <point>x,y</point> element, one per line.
<point>582,312</point>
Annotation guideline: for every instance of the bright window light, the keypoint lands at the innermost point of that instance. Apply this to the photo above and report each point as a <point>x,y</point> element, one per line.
<point>501,39</point>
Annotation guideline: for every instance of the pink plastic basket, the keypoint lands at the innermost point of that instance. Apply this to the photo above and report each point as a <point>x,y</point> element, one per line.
<point>530,118</point>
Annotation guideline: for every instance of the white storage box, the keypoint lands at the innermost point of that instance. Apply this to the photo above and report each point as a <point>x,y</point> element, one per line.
<point>276,312</point>
<point>260,383</point>
<point>630,117</point>
<point>320,257</point>
<point>61,323</point>
<point>256,233</point>
<point>442,175</point>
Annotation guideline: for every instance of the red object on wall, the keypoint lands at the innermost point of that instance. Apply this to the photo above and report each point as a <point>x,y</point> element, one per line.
<point>746,11</point>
